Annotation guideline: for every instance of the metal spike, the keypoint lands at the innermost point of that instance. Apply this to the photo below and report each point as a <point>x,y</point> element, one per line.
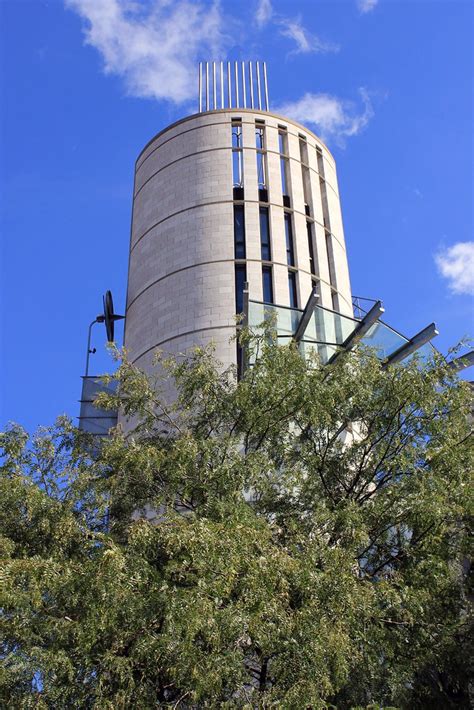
<point>214,86</point>
<point>229,86</point>
<point>207,86</point>
<point>251,85</point>
<point>222,84</point>
<point>200,87</point>
<point>236,76</point>
<point>265,82</point>
<point>244,88</point>
<point>258,87</point>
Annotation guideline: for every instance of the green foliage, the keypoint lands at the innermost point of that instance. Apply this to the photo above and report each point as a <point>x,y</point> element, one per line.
<point>296,540</point>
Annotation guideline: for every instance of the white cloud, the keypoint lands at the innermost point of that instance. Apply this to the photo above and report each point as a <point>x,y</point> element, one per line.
<point>306,41</point>
<point>264,12</point>
<point>155,46</point>
<point>365,6</point>
<point>334,118</point>
<point>456,264</point>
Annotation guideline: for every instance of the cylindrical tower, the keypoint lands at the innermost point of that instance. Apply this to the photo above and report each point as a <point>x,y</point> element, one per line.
<point>220,198</point>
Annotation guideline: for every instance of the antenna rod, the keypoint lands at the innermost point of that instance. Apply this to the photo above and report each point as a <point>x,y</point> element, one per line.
<point>266,86</point>
<point>214,87</point>
<point>229,88</point>
<point>222,84</point>
<point>244,88</point>
<point>207,86</point>
<point>251,85</point>
<point>200,87</point>
<point>236,75</point>
<point>258,87</point>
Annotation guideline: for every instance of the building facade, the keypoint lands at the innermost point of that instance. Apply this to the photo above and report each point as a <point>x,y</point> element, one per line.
<point>224,197</point>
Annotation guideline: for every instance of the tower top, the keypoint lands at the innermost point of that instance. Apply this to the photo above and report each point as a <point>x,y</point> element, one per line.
<point>244,86</point>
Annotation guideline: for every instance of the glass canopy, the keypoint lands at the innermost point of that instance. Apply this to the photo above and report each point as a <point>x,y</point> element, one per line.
<point>327,331</point>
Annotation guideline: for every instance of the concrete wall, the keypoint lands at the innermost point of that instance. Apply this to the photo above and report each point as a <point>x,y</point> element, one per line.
<point>181,275</point>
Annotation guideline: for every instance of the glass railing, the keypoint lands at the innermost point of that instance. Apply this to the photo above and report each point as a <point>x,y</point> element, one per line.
<point>327,330</point>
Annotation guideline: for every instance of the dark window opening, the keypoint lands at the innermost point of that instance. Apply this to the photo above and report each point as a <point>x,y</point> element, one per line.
<point>292,289</point>
<point>265,234</point>
<point>261,172</point>
<point>240,279</point>
<point>238,193</point>
<point>319,155</point>
<point>263,195</point>
<point>237,155</point>
<point>236,133</point>
<point>283,140</point>
<point>284,176</point>
<point>290,254</point>
<point>239,231</point>
<point>267,284</point>
<point>312,266</point>
<point>303,150</point>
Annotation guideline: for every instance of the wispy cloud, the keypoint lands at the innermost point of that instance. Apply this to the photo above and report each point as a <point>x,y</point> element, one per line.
<point>155,46</point>
<point>365,6</point>
<point>456,264</point>
<point>264,12</point>
<point>306,41</point>
<point>334,118</point>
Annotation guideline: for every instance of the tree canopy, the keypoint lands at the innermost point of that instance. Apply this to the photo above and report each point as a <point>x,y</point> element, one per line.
<point>297,539</point>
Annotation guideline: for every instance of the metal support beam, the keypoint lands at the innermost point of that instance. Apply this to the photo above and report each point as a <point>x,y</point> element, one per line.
<point>424,336</point>
<point>306,315</point>
<point>364,325</point>
<point>361,329</point>
<point>462,362</point>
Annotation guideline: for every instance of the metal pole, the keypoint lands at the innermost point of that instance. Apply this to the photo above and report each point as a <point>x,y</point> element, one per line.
<point>244,88</point>
<point>236,76</point>
<point>222,84</point>
<point>258,87</point>
<point>207,86</point>
<point>214,87</point>
<point>200,87</point>
<point>251,85</point>
<point>265,82</point>
<point>229,86</point>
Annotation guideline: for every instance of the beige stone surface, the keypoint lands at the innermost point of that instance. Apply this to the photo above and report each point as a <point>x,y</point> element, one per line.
<point>181,289</point>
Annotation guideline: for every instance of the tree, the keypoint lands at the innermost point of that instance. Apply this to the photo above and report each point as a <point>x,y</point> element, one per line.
<point>307,549</point>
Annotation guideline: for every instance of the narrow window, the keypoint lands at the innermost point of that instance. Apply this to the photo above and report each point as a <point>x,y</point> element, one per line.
<point>284,176</point>
<point>319,155</point>
<point>261,160</point>
<point>239,231</point>
<point>237,157</point>
<point>284,166</point>
<point>267,284</point>
<point>265,234</point>
<point>240,279</point>
<point>283,140</point>
<point>330,253</point>
<point>303,150</point>
<point>312,265</point>
<point>292,289</point>
<point>290,254</point>
<point>305,175</point>
<point>325,204</point>
<point>335,301</point>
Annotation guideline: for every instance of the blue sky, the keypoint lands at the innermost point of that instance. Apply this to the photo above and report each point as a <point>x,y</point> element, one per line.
<point>86,83</point>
